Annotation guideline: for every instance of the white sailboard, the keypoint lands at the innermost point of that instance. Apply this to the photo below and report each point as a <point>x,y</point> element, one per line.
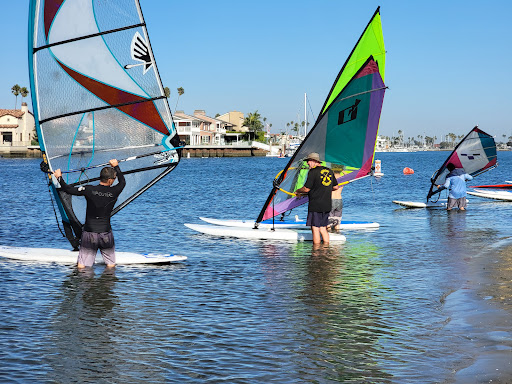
<point>503,195</point>
<point>287,224</point>
<point>63,256</point>
<point>261,233</point>
<point>418,204</point>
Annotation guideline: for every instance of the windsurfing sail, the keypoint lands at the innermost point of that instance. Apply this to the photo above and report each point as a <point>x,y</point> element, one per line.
<point>345,132</point>
<point>475,154</point>
<point>97,95</point>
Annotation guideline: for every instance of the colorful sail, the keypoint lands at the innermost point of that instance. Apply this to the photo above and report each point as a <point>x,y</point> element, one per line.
<point>476,153</point>
<point>97,95</point>
<point>345,132</point>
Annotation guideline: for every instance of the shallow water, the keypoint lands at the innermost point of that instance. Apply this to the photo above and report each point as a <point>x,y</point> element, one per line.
<point>386,307</point>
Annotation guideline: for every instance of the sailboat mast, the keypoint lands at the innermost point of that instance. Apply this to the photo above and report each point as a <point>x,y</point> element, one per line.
<point>305,115</point>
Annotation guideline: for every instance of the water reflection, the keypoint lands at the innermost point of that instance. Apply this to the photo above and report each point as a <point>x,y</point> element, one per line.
<point>83,330</point>
<point>332,295</point>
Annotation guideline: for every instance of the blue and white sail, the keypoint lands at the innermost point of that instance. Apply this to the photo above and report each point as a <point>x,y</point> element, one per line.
<point>97,95</point>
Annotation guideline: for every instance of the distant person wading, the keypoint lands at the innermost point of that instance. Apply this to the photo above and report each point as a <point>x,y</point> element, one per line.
<point>97,233</point>
<point>456,183</point>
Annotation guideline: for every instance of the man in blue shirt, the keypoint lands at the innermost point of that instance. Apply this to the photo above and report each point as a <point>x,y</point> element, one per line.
<point>456,183</point>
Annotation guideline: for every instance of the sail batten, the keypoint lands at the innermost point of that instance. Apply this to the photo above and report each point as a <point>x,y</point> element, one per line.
<point>346,130</point>
<point>95,98</point>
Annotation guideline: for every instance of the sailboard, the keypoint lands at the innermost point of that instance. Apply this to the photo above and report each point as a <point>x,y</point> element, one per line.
<point>344,224</point>
<point>501,194</point>
<point>494,186</point>
<point>476,153</point>
<point>97,95</point>
<point>345,131</point>
<point>64,256</point>
<point>285,234</point>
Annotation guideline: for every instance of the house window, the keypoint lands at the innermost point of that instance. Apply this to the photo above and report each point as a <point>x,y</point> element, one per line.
<point>195,124</point>
<point>206,139</point>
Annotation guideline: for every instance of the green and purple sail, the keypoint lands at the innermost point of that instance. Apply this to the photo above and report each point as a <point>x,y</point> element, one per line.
<point>345,132</point>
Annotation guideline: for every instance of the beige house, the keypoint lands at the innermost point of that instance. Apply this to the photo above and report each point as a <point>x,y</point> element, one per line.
<point>236,119</point>
<point>16,126</point>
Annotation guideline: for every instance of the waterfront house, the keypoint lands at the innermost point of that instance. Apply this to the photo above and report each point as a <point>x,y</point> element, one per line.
<point>188,128</point>
<point>213,130</point>
<point>16,126</point>
<point>199,129</point>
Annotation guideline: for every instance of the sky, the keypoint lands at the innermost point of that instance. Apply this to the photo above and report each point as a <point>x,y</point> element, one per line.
<point>447,64</point>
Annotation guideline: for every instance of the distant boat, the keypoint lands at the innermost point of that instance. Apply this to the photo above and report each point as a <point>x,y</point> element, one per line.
<point>295,143</point>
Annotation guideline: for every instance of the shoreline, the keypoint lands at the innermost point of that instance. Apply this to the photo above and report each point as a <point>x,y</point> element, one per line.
<point>488,325</point>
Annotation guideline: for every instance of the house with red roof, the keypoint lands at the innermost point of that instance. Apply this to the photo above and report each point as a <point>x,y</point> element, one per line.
<point>16,127</point>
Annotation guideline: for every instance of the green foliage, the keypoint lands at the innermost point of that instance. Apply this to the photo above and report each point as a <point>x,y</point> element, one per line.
<point>181,91</point>
<point>253,122</point>
<point>16,89</point>
<point>34,137</point>
<point>260,136</point>
<point>167,92</point>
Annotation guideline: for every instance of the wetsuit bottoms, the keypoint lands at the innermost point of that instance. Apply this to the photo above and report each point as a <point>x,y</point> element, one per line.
<point>91,242</point>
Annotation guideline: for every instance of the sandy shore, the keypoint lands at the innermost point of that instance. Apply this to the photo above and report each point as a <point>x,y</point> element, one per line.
<point>488,325</point>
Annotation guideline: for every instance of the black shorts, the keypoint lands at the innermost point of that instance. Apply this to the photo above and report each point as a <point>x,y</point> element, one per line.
<point>317,219</point>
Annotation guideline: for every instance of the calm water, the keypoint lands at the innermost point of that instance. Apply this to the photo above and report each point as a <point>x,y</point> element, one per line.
<point>373,310</point>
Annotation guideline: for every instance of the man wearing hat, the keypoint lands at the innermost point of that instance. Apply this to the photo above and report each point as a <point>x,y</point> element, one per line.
<point>319,185</point>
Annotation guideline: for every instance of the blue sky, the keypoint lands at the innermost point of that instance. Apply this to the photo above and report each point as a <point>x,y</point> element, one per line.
<point>447,66</point>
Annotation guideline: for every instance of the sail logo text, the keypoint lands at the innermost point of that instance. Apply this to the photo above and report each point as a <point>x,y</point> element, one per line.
<point>348,114</point>
<point>102,194</point>
<point>471,156</point>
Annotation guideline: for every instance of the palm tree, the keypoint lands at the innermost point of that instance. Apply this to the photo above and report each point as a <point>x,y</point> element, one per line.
<point>181,91</point>
<point>24,93</point>
<point>252,121</point>
<point>167,92</point>
<point>16,89</point>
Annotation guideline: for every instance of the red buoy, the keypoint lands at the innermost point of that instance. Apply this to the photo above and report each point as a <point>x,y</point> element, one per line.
<point>408,171</point>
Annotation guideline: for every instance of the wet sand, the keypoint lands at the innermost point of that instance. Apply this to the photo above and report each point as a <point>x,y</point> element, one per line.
<point>489,325</point>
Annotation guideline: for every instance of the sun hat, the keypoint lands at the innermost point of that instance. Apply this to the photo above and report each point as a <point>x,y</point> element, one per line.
<point>313,156</point>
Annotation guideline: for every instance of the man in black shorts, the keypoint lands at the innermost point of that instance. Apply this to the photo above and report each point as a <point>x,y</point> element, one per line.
<point>319,185</point>
<point>101,198</point>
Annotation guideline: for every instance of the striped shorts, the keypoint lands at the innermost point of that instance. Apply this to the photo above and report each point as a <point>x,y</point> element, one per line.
<point>91,242</point>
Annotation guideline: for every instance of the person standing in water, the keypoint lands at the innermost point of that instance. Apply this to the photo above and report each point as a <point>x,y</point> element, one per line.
<point>101,198</point>
<point>456,183</point>
<point>337,206</point>
<point>319,185</point>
